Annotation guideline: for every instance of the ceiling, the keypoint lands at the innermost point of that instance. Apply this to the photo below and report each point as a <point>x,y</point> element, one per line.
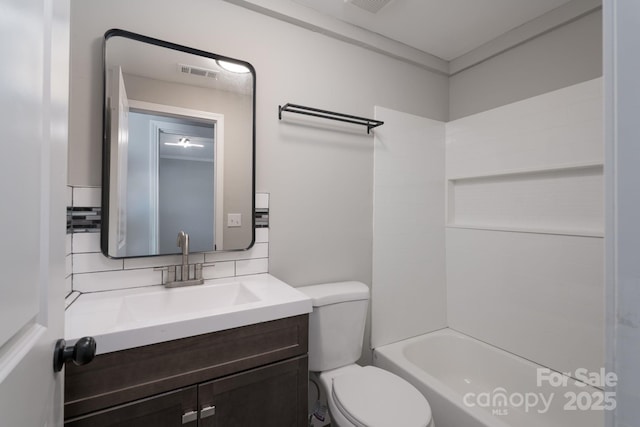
<point>444,28</point>
<point>142,59</point>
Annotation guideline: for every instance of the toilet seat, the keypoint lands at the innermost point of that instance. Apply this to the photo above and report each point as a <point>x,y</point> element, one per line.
<point>372,397</point>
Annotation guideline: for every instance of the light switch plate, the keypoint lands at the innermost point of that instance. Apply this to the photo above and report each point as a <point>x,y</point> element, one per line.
<point>234,220</point>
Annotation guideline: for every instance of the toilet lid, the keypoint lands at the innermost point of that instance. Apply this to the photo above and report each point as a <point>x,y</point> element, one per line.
<point>372,397</point>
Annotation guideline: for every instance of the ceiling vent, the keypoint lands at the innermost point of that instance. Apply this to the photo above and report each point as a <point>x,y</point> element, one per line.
<point>372,6</point>
<point>197,71</point>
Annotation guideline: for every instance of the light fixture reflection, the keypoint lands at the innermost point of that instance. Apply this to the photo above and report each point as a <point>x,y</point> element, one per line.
<point>185,143</point>
<point>233,67</point>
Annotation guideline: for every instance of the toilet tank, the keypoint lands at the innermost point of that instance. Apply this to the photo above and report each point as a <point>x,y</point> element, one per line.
<point>336,325</point>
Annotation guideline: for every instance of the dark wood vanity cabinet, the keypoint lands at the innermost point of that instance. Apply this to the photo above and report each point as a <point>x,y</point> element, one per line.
<point>250,376</point>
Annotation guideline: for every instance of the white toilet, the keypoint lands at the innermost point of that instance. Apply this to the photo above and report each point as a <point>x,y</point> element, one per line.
<point>357,396</point>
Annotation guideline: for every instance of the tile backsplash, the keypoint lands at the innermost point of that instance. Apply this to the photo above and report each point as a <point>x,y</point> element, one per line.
<point>88,270</point>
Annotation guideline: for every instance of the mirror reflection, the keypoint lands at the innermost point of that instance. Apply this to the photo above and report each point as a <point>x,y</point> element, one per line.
<point>178,150</point>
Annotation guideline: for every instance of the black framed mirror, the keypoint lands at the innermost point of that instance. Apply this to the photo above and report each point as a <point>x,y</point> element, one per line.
<point>178,148</point>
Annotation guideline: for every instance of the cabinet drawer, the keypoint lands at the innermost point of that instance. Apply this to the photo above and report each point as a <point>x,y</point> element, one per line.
<point>123,376</point>
<point>165,410</point>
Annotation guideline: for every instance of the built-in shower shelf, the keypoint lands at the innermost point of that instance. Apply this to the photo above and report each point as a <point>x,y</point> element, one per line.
<point>581,233</point>
<point>561,200</point>
<point>528,171</point>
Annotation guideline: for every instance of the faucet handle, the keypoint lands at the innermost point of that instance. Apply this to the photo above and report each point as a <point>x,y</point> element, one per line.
<point>168,273</point>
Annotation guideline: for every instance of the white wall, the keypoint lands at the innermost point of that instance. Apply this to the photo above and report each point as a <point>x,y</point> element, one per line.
<point>409,285</point>
<point>564,56</point>
<point>525,226</point>
<point>318,175</point>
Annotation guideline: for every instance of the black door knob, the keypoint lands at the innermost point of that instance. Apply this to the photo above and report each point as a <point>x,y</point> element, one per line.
<point>81,353</point>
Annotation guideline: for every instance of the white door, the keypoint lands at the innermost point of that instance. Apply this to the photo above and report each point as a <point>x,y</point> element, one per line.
<point>119,113</point>
<point>622,136</point>
<point>34,47</point>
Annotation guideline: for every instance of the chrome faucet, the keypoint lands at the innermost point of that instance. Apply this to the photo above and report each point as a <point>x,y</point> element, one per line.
<point>183,242</point>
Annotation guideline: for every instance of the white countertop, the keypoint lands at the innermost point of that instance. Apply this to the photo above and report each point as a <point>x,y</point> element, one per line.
<point>135,317</point>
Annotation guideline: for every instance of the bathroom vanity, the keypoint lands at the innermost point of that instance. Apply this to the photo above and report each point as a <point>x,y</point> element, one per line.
<point>249,369</point>
<point>230,352</point>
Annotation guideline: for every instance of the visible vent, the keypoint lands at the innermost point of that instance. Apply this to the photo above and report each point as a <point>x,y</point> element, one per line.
<point>372,6</point>
<point>197,71</point>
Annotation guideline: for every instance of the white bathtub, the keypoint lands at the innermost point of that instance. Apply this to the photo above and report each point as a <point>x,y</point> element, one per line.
<point>469,383</point>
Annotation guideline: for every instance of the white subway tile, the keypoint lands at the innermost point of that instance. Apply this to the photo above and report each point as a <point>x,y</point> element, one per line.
<point>221,256</point>
<point>86,242</point>
<point>71,297</point>
<point>161,261</point>
<point>259,250</point>
<point>68,285</point>
<point>219,270</point>
<point>86,197</point>
<point>119,279</point>
<point>262,235</point>
<point>92,262</point>
<point>69,195</point>
<point>252,266</point>
<point>68,261</point>
<point>262,200</point>
<point>67,242</point>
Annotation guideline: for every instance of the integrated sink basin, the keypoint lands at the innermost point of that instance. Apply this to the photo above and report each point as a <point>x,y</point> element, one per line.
<point>135,317</point>
<point>178,302</point>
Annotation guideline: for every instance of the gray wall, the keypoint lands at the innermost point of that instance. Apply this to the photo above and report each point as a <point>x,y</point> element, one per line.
<point>565,56</point>
<point>190,211</point>
<point>319,173</point>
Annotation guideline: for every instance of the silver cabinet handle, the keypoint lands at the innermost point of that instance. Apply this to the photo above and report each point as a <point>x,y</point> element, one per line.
<point>207,411</point>
<point>189,417</point>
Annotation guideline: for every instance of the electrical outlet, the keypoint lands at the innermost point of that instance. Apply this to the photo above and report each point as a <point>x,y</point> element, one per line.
<point>234,220</point>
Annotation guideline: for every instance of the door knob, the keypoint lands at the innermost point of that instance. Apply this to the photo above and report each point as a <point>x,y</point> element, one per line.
<point>81,353</point>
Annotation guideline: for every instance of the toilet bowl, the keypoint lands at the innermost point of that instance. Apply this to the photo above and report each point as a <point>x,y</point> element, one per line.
<point>372,397</point>
<point>357,396</point>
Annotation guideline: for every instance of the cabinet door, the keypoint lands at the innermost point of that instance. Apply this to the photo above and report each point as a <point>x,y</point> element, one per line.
<point>271,396</point>
<point>173,409</point>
